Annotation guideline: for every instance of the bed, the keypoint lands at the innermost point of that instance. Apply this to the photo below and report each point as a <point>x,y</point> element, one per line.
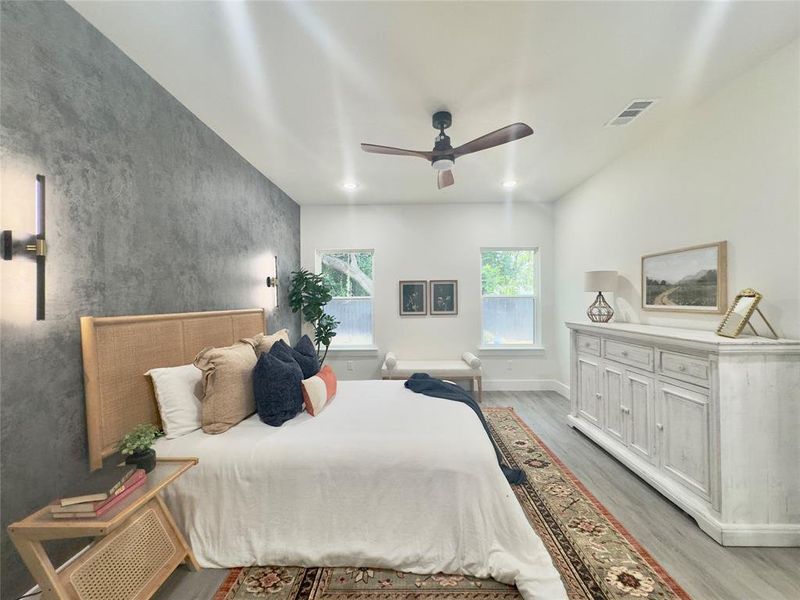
<point>382,477</point>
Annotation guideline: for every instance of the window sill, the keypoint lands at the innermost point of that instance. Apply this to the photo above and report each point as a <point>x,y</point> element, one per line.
<point>354,351</point>
<point>532,350</point>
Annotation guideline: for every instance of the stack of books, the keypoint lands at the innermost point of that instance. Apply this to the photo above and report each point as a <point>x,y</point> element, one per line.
<point>91,506</point>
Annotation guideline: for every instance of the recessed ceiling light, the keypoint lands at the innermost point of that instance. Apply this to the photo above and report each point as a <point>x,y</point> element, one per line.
<point>350,185</point>
<point>509,183</point>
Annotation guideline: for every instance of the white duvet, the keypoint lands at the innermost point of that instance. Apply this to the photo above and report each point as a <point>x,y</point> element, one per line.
<point>383,477</point>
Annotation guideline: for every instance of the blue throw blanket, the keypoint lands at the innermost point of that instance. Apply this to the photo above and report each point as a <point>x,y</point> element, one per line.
<point>422,383</point>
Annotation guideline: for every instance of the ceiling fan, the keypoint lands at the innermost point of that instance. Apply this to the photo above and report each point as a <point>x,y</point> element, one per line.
<point>443,156</point>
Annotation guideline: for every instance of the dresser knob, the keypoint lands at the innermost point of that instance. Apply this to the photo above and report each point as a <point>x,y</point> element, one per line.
<point>659,426</point>
<point>624,353</point>
<point>681,367</point>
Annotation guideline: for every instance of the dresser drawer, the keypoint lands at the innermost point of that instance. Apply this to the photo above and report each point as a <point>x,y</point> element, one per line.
<point>589,344</point>
<point>629,354</point>
<point>684,367</point>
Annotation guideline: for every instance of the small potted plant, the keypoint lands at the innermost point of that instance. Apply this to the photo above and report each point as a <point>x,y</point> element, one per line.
<point>137,446</point>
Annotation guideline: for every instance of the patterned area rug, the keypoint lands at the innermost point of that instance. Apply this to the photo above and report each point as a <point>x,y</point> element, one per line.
<point>596,557</point>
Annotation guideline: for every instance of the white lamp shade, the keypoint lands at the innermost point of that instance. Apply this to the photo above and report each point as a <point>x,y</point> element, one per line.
<point>600,281</point>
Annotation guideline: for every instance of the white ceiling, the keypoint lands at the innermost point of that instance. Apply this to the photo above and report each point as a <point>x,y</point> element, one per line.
<point>295,87</point>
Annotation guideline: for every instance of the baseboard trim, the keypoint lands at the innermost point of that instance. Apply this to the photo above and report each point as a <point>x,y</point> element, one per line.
<point>561,388</point>
<point>525,385</point>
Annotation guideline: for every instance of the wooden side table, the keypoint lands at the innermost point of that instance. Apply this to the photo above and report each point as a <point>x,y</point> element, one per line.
<point>136,545</point>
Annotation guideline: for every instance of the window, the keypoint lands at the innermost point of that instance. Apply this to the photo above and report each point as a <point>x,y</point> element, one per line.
<point>508,278</point>
<point>349,273</point>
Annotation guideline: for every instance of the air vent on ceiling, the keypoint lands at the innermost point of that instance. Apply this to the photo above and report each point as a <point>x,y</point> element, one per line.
<point>630,112</point>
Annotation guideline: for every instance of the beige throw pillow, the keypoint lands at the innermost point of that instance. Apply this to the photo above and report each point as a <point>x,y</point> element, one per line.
<point>227,386</point>
<point>262,342</point>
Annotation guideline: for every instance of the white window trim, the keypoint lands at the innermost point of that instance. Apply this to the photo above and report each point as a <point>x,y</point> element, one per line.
<point>354,351</point>
<point>522,349</point>
<point>368,349</point>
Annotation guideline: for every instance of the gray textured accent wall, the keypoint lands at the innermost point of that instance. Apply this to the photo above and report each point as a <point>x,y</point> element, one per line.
<point>149,211</point>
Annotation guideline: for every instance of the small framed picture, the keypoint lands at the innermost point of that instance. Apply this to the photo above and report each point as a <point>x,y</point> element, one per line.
<point>444,296</point>
<point>413,296</point>
<point>692,280</point>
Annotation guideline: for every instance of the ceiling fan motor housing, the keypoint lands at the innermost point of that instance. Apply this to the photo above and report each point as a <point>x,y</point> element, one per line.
<point>441,161</point>
<point>443,157</point>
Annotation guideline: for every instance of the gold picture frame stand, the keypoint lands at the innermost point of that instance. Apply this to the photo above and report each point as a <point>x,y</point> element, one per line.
<point>738,316</point>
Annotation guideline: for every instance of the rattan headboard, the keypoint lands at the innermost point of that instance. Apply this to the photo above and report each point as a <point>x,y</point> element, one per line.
<point>118,351</point>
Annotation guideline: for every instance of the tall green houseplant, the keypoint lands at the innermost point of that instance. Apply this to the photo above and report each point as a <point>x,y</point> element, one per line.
<point>308,295</point>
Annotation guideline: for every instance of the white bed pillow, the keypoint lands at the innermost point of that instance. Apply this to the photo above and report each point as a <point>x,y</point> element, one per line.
<point>178,393</point>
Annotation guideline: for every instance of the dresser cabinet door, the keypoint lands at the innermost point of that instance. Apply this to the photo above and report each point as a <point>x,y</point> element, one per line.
<point>639,407</point>
<point>615,410</point>
<point>684,442</point>
<point>589,399</point>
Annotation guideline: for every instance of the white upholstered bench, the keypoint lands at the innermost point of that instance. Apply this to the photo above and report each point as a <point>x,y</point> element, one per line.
<point>469,367</point>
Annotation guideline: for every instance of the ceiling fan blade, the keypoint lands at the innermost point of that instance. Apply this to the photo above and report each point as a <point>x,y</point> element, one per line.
<point>496,138</point>
<point>444,178</point>
<point>395,151</point>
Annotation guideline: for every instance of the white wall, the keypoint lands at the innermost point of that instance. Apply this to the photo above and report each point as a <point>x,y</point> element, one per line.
<point>728,171</point>
<point>438,241</point>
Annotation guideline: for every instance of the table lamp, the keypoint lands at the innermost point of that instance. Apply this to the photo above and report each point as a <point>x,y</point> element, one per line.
<point>600,281</point>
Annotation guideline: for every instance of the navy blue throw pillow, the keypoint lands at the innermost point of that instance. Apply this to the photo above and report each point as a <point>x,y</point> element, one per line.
<point>305,354</point>
<point>277,385</point>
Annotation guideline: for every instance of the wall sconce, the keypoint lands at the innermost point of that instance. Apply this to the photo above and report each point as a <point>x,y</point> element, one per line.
<point>36,246</point>
<point>272,282</point>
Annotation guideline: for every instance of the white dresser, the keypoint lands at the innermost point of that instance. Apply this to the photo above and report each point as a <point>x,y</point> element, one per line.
<point>710,422</point>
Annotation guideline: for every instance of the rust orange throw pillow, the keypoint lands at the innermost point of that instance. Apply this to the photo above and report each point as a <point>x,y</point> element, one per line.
<point>319,390</point>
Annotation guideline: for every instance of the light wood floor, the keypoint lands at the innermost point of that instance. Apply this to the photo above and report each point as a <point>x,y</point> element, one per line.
<point>705,569</point>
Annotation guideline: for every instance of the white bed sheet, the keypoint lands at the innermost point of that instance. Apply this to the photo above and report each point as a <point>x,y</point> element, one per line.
<point>383,477</point>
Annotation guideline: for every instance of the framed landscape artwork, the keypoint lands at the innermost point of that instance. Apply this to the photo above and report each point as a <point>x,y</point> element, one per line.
<point>690,280</point>
<point>413,298</point>
<point>444,296</point>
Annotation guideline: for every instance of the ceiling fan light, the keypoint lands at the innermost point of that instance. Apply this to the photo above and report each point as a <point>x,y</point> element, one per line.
<point>509,184</point>
<point>443,164</point>
<point>350,185</point>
